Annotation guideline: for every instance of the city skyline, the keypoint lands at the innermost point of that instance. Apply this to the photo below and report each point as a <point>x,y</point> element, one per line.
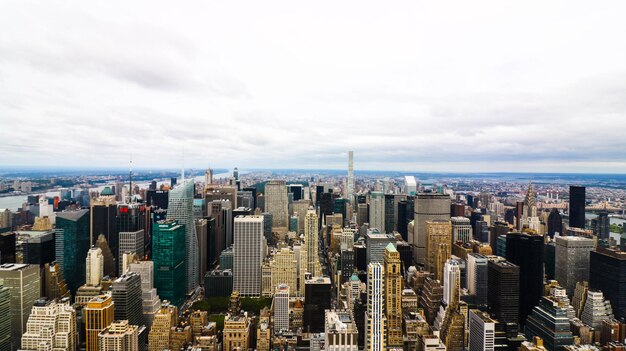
<point>410,86</point>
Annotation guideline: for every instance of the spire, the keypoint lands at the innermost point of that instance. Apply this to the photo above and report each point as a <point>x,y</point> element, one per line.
<point>530,195</point>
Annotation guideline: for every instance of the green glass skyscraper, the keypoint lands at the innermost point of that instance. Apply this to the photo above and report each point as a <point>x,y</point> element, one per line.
<point>72,244</point>
<point>180,208</point>
<point>168,254</point>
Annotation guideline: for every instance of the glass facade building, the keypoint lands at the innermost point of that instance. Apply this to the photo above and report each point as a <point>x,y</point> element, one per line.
<point>168,254</point>
<point>72,244</point>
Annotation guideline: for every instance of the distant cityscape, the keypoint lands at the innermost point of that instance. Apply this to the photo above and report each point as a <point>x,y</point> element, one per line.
<point>311,260</point>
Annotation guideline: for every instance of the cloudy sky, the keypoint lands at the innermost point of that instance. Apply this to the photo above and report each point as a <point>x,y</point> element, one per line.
<point>417,85</point>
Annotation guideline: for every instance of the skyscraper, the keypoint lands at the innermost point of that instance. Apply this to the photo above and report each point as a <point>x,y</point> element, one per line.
<point>577,206</point>
<point>393,296</point>
<point>555,223</point>
<point>248,253</point>
<point>284,270</point>
<point>119,336</point>
<point>549,321</point>
<point>168,254</point>
<point>23,283</point>
<point>94,266</point>
<point>377,210</point>
<point>150,299</point>
<point>164,320</point>
<point>482,330</point>
<point>72,244</point>
<point>180,208</point>
<point>97,315</point>
<point>461,229</point>
<point>607,273</point>
<point>428,207</point>
<point>311,240</point>
<point>276,203</point>
<point>376,244</point>
<point>375,319</point>
<point>451,283</point>
<point>126,292</point>
<point>341,332</point>
<point>477,281</point>
<point>5,323</point>
<point>504,290</point>
<point>350,183</point>
<point>438,246</point>
<point>51,325</point>
<point>526,251</point>
<point>317,299</point>
<point>130,242</point>
<point>281,308</point>
<point>572,261</point>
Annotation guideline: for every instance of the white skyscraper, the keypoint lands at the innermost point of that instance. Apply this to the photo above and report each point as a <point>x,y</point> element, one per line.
<point>476,277</point>
<point>51,326</point>
<point>377,210</point>
<point>451,282</point>
<point>461,229</point>
<point>350,183</point>
<point>94,266</point>
<point>482,331</point>
<point>248,253</point>
<point>180,208</point>
<point>281,308</point>
<point>375,320</point>
<point>151,301</point>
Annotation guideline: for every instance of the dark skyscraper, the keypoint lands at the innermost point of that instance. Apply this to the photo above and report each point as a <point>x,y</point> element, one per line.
<point>72,244</point>
<point>526,251</point>
<point>39,248</point>
<point>577,206</point>
<point>317,297</point>
<point>7,247</point>
<point>402,222</point>
<point>126,293</point>
<point>555,223</point>
<point>608,274</point>
<point>602,225</point>
<point>503,293</point>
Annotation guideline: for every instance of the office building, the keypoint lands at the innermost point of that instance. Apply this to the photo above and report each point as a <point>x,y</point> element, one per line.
<point>97,315</point>
<point>54,286</point>
<point>131,242</point>
<point>526,251</point>
<point>150,300</point>
<point>311,241</point>
<point>237,331</point>
<point>284,270</point>
<point>461,229</point>
<point>376,243</point>
<point>72,244</point>
<point>126,293</point>
<point>94,266</point>
<point>249,250</point>
<point>430,298</point>
<point>477,278</point>
<point>376,321</point>
<point>164,320</point>
<point>5,323</point>
<point>276,203</point>
<point>281,308</point>
<point>577,206</point>
<point>451,283</point>
<point>608,274</point>
<point>555,223</point>
<point>393,296</point>
<point>168,255</point>
<point>350,182</point>
<point>549,321</point>
<point>131,218</point>
<point>180,208</point>
<point>340,331</point>
<point>504,290</point>
<point>482,330</point>
<point>7,247</point>
<point>438,246</point>
<point>596,310</point>
<point>428,207</point>
<point>317,296</point>
<point>377,210</point>
<point>103,210</point>
<point>23,283</point>
<point>107,255</point>
<point>119,336</point>
<point>51,326</point>
<point>572,261</point>
<point>38,247</point>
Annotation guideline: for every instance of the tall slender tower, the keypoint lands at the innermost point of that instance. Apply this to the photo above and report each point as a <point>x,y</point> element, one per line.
<point>311,240</point>
<point>393,296</point>
<point>95,266</point>
<point>350,185</point>
<point>98,314</point>
<point>180,208</point>
<point>376,322</point>
<point>248,253</point>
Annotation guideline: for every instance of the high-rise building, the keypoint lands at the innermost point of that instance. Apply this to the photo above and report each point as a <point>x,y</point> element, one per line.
<point>461,229</point>
<point>131,218</point>
<point>276,203</point>
<point>602,228</point>
<point>572,261</point>
<point>119,336</point>
<point>249,250</point>
<point>549,321</point>
<point>94,266</point>
<point>38,247</point>
<point>577,206</point>
<point>7,247</point>
<point>284,270</point>
<point>438,246</point>
<point>103,210</point>
<point>526,251</point>
<point>430,298</point>
<point>477,278</point>
<point>281,308</point>
<point>311,241</point>
<point>555,223</point>
<point>23,282</point>
<point>350,182</point>
<point>150,300</point>
<point>180,208</point>
<point>5,323</point>
<point>482,330</point>
<point>107,255</point>
<point>607,273</point>
<point>428,207</point>
<point>393,296</point>
<point>451,283</point>
<point>164,321</point>
<point>72,244</point>
<point>202,232</point>
<point>376,245</point>
<point>317,299</point>
<point>54,286</point>
<point>51,326</point>
<point>377,210</point>
<point>97,315</point>
<point>596,310</point>
<point>168,254</point>
<point>130,242</point>
<point>504,290</point>
<point>126,292</point>
<point>340,332</point>
<point>375,319</point>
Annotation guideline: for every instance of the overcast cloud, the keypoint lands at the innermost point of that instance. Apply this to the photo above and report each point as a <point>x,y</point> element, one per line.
<point>417,85</point>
